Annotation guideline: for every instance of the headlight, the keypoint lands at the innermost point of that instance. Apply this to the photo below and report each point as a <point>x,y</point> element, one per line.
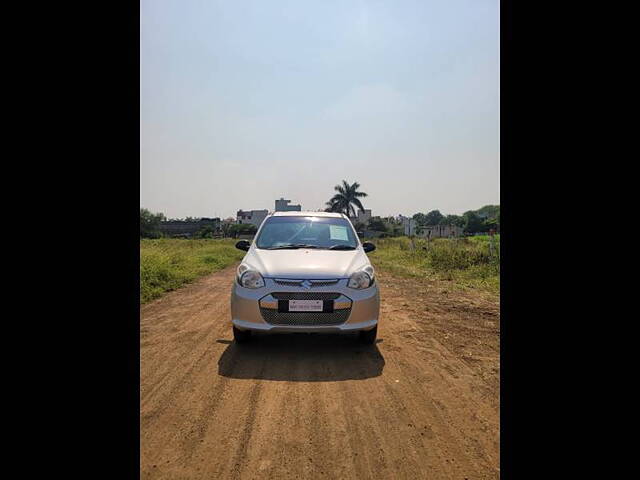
<point>249,278</point>
<point>361,279</point>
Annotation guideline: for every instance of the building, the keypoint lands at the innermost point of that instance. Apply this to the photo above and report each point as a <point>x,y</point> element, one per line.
<point>361,217</point>
<point>282,205</point>
<point>183,228</point>
<point>441,231</point>
<point>364,216</point>
<point>252,217</point>
<point>409,225</point>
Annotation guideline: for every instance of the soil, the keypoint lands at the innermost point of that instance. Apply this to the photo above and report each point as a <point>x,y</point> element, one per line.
<point>423,402</point>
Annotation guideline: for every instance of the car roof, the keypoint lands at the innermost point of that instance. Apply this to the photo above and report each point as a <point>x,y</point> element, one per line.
<point>308,214</point>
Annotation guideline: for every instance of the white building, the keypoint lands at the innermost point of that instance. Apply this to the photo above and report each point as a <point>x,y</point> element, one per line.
<point>441,231</point>
<point>409,225</point>
<point>252,217</point>
<point>429,231</point>
<point>282,205</point>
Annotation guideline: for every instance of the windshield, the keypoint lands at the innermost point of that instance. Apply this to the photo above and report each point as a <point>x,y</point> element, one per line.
<point>307,232</point>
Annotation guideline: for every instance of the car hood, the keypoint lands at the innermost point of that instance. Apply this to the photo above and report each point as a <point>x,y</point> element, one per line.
<point>306,263</point>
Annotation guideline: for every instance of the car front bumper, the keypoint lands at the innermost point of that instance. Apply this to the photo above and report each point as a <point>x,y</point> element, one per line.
<point>246,307</point>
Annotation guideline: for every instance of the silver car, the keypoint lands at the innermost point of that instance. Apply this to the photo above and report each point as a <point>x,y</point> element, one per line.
<point>305,272</point>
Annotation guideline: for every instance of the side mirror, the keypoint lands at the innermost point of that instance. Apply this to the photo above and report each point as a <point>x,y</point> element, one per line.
<point>243,245</point>
<point>368,247</point>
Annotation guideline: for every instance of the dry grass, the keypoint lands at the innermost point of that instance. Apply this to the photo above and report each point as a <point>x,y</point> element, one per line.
<point>467,262</point>
<point>168,264</point>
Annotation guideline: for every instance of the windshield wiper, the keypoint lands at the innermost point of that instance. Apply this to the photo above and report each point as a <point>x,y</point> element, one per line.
<point>342,247</point>
<point>292,246</point>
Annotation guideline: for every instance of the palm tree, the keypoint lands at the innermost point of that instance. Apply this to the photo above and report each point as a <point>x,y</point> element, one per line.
<point>345,199</point>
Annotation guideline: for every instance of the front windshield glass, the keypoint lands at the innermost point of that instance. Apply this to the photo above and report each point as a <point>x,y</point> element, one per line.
<point>307,232</point>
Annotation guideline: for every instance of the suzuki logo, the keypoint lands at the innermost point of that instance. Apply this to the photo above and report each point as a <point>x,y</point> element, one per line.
<point>307,284</point>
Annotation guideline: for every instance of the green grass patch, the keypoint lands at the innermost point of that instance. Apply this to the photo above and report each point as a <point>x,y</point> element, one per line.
<point>168,264</point>
<point>468,262</point>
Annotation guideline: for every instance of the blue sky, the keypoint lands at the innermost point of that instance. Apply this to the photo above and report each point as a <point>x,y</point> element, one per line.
<point>243,102</point>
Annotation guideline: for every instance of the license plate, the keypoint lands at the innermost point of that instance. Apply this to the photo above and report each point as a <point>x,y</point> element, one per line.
<point>305,305</point>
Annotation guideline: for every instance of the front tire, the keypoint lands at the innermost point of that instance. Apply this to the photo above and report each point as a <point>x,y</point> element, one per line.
<point>241,336</point>
<point>369,337</point>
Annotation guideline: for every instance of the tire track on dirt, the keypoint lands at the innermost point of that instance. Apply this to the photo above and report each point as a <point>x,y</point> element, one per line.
<point>249,422</point>
<point>421,403</point>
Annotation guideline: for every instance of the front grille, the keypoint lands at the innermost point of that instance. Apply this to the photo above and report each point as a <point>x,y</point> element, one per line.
<point>323,283</point>
<point>292,283</point>
<point>305,295</point>
<point>304,318</point>
<point>314,283</point>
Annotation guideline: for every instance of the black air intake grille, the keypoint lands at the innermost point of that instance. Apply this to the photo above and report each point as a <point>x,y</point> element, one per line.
<point>305,295</point>
<point>306,319</point>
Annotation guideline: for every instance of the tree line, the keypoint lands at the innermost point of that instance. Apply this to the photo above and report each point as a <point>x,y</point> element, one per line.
<point>150,223</point>
<point>472,221</point>
<point>346,200</point>
<point>150,226</point>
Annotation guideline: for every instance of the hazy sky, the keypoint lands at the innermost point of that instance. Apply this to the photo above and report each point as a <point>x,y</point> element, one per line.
<point>242,102</point>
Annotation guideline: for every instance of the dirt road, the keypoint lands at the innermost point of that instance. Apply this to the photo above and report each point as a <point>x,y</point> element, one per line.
<point>422,403</point>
